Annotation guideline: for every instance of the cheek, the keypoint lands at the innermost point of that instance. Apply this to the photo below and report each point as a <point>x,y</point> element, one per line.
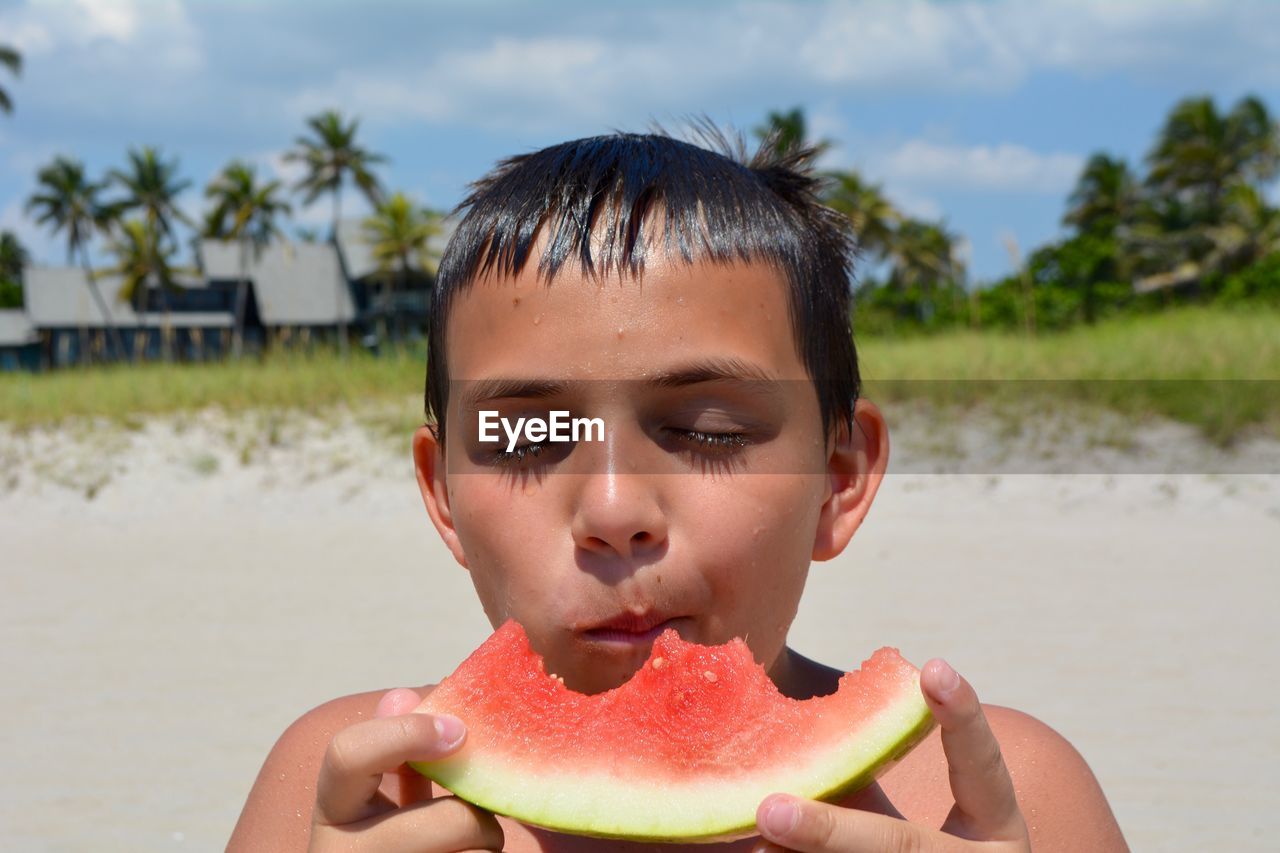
<point>757,531</point>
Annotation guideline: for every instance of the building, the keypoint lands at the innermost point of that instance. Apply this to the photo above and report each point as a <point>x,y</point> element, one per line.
<point>72,329</point>
<point>19,342</point>
<point>295,294</point>
<point>296,291</point>
<point>388,305</point>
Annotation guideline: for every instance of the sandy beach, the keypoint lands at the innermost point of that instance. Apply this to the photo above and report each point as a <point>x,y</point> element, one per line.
<point>175,595</point>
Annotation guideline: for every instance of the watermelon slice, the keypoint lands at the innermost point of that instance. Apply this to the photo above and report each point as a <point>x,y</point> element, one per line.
<point>684,751</point>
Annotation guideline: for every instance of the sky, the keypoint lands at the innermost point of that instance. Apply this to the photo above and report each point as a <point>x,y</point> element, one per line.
<point>979,113</point>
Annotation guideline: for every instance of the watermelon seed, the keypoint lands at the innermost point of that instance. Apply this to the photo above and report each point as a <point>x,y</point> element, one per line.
<point>658,663</point>
<point>709,676</point>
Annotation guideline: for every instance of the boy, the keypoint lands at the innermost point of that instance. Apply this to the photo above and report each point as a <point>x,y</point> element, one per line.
<point>698,305</point>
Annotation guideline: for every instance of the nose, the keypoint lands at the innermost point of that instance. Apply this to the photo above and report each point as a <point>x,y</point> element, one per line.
<point>619,514</point>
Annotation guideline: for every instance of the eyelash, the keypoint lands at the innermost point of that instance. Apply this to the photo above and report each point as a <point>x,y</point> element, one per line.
<point>717,444</point>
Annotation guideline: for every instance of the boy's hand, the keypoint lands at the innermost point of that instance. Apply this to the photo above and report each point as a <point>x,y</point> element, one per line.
<point>352,815</point>
<point>985,808</point>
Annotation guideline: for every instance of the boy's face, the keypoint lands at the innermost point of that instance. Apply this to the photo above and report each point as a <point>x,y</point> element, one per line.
<point>596,547</point>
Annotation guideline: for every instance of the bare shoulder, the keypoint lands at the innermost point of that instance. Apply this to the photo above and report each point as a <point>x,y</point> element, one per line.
<point>277,813</point>
<point>1060,797</point>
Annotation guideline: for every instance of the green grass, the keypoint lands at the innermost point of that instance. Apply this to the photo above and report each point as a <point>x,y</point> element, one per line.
<point>122,394</point>
<point>1216,368</point>
<point>1184,364</point>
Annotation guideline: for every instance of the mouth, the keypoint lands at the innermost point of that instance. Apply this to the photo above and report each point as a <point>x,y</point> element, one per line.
<point>630,629</point>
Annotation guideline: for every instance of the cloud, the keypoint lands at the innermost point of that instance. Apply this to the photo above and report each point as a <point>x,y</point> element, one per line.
<point>913,203</point>
<point>533,81</point>
<point>1003,167</point>
<point>662,58</point>
<point>105,35</point>
<point>994,45</point>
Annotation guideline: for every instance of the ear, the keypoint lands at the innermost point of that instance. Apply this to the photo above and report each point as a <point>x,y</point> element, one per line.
<point>854,470</point>
<point>429,463</point>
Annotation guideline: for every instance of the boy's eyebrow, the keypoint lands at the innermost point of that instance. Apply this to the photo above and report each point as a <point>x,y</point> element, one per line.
<point>708,370</point>
<point>482,390</point>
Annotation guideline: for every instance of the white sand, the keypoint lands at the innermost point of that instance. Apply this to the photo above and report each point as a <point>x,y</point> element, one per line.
<point>159,636</point>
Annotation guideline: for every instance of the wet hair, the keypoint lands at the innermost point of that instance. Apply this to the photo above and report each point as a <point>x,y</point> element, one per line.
<point>598,199</point>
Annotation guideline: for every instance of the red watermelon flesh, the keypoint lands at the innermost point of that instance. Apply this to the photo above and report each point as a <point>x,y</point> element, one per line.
<point>685,750</point>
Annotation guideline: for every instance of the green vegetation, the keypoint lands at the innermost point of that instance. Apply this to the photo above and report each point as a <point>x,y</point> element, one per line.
<point>1190,364</point>
<point>1196,227</point>
<point>1217,368</point>
<point>284,380</point>
<point>12,60</point>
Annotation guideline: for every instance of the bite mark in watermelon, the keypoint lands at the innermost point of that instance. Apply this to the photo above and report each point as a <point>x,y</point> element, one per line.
<point>684,751</point>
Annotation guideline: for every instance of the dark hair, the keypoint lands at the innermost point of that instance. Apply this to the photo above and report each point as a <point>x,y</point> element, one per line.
<point>719,205</point>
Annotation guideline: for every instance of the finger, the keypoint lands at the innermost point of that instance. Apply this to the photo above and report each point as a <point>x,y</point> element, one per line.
<point>763,846</point>
<point>411,786</point>
<point>443,825</point>
<point>986,805</point>
<point>813,827</point>
<point>358,756</point>
<point>395,702</point>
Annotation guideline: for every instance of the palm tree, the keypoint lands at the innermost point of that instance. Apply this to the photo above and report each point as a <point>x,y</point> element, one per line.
<point>244,210</point>
<point>1104,198</point>
<point>1204,209</point>
<point>151,186</point>
<point>788,130</point>
<point>68,201</point>
<point>331,156</point>
<point>873,216</point>
<point>1104,208</point>
<point>13,260</point>
<point>1199,154</point>
<point>398,231</point>
<point>13,256</point>
<point>924,256</point>
<point>144,260</point>
<point>11,59</point>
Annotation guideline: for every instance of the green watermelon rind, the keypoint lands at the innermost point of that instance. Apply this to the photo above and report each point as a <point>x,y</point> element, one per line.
<point>700,810</point>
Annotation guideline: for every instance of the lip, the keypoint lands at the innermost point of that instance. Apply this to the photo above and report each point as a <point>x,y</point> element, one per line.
<point>630,629</point>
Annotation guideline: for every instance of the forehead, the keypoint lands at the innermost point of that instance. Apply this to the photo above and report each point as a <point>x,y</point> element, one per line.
<point>620,325</point>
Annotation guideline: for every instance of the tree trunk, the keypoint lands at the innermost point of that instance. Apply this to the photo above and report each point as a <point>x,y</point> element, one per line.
<point>166,331</point>
<point>242,290</point>
<point>92,281</point>
<point>140,305</point>
<point>342,284</point>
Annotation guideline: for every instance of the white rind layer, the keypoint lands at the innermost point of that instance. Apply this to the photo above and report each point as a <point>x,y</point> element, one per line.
<point>622,806</point>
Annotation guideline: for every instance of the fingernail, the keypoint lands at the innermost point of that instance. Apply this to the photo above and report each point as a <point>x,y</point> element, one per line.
<point>449,731</point>
<point>948,680</point>
<point>781,817</point>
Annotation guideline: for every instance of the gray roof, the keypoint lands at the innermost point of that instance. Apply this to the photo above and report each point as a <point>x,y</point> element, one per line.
<point>58,297</point>
<point>356,251</point>
<point>296,284</point>
<point>16,329</point>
